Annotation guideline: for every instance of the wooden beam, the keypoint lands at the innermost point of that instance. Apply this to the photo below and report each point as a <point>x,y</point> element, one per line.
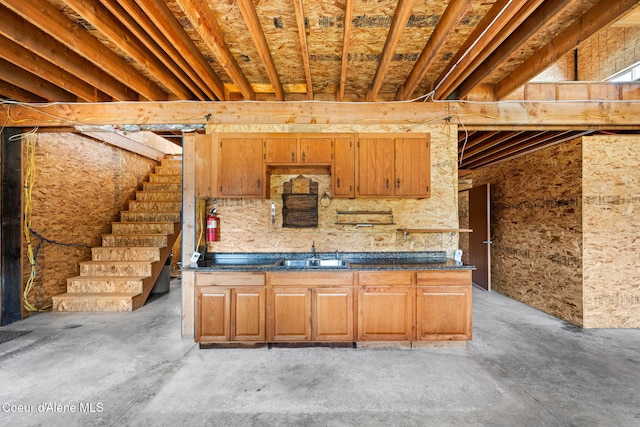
<point>43,15</point>
<point>26,81</point>
<point>99,17</point>
<point>46,47</point>
<point>599,16</point>
<point>125,143</point>
<point>498,16</point>
<point>15,93</point>
<point>206,24</point>
<point>399,22</point>
<point>346,42</point>
<point>136,21</point>
<point>302,35</point>
<point>537,20</point>
<point>37,66</point>
<point>509,115</point>
<point>449,20</point>
<point>163,18</point>
<point>252,20</point>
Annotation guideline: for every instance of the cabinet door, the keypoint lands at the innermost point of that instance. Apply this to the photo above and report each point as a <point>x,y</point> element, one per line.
<point>385,313</point>
<point>204,165</point>
<point>375,166</point>
<point>290,314</point>
<point>213,308</point>
<point>281,150</point>
<point>333,314</point>
<point>315,150</point>
<point>412,167</point>
<point>343,176</point>
<point>248,314</point>
<point>240,167</point>
<point>444,313</point>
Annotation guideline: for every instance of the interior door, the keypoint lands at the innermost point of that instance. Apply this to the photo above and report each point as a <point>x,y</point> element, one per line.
<point>480,238</point>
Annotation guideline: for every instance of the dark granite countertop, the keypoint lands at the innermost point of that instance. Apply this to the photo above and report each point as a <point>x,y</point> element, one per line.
<point>274,261</point>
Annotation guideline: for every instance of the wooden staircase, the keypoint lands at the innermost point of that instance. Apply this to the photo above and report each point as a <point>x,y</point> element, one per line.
<point>124,269</point>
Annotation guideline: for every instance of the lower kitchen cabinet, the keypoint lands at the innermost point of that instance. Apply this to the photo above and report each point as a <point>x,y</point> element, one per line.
<point>213,314</point>
<point>385,313</point>
<point>230,307</point>
<point>332,310</point>
<point>333,306</point>
<point>248,314</point>
<point>311,306</point>
<point>443,305</point>
<point>385,306</point>
<point>289,314</point>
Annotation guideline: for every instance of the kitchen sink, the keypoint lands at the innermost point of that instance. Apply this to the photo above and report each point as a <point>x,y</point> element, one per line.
<point>297,262</point>
<point>314,262</point>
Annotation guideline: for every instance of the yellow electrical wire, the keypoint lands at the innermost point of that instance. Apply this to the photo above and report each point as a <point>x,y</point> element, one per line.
<point>30,140</point>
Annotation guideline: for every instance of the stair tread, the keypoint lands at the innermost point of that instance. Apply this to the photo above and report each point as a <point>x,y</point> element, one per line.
<point>114,278</point>
<point>116,262</point>
<point>97,295</point>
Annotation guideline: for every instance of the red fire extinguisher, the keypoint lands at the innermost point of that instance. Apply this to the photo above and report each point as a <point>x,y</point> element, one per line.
<point>213,227</point>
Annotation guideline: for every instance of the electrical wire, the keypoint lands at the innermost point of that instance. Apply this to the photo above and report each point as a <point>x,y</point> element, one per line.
<point>30,140</point>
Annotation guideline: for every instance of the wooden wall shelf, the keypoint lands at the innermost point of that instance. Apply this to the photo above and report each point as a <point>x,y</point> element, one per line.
<point>435,230</point>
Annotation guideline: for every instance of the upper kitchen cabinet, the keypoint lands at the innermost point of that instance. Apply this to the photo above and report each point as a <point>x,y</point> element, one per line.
<point>391,165</point>
<point>296,149</point>
<point>240,168</point>
<point>343,172</point>
<point>204,165</point>
<point>413,168</point>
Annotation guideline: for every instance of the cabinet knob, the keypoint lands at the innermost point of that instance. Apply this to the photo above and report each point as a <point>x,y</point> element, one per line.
<point>387,182</point>
<point>338,182</point>
<point>398,183</point>
<point>293,157</point>
<point>258,183</point>
<point>304,156</point>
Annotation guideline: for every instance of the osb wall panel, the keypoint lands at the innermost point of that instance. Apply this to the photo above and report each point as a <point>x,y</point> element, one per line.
<point>81,186</point>
<point>246,223</point>
<point>536,229</point>
<point>611,203</point>
<point>608,52</point>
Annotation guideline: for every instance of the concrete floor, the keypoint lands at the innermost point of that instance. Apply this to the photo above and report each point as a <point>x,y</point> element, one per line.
<point>523,368</point>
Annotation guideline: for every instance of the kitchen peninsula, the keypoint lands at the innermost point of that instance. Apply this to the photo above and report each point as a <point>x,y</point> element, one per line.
<point>358,298</point>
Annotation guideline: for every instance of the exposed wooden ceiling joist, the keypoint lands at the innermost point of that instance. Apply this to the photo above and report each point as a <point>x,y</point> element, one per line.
<point>450,19</point>
<point>399,22</point>
<point>46,47</point>
<point>206,24</point>
<point>43,15</point>
<point>599,16</point>
<point>13,74</point>
<point>252,20</point>
<point>136,20</point>
<point>31,63</point>
<point>346,41</point>
<point>304,50</point>
<point>175,35</point>
<point>518,37</point>
<point>500,15</point>
<point>155,62</point>
<point>19,94</point>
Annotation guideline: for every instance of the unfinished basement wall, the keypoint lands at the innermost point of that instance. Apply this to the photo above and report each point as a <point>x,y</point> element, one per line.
<point>608,52</point>
<point>611,224</point>
<point>536,222</point>
<point>246,223</point>
<point>81,185</point>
